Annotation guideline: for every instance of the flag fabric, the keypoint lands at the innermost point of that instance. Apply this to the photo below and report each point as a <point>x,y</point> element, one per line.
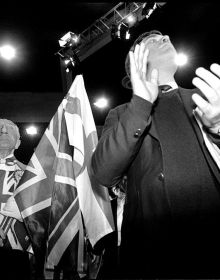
<point>16,234</point>
<point>55,196</point>
<point>11,172</point>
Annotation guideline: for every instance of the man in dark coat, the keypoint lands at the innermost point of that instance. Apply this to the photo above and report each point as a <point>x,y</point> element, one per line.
<point>166,141</point>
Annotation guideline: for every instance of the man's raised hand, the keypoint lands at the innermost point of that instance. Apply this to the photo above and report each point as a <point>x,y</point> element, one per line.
<point>209,83</point>
<point>138,68</point>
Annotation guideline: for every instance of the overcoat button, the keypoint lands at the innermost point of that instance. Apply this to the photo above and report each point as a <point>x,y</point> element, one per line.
<point>137,133</point>
<point>161,176</point>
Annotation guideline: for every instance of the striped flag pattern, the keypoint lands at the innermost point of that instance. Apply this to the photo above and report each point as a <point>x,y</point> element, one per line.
<point>10,223</point>
<point>55,195</point>
<point>15,231</point>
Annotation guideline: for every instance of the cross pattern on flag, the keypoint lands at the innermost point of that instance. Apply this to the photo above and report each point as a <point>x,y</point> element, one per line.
<point>55,191</point>
<point>7,182</point>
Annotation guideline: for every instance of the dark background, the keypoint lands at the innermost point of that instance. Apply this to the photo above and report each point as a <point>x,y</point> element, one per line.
<point>31,86</point>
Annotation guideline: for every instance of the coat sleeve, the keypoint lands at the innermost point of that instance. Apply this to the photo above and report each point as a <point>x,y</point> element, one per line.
<point>123,133</point>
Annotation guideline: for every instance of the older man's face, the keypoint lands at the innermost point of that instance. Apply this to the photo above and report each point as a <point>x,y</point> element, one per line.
<point>8,135</point>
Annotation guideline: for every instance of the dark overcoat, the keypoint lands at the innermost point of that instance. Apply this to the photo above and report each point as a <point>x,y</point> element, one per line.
<point>172,211</point>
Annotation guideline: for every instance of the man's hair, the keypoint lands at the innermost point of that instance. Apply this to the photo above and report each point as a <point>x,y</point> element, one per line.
<point>14,125</point>
<point>126,80</point>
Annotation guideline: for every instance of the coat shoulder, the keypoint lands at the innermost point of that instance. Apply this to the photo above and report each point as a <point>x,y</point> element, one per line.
<point>120,108</point>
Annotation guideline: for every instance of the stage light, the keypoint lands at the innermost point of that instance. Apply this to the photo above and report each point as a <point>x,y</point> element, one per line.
<point>69,58</point>
<point>181,59</point>
<point>66,61</point>
<point>68,40</point>
<point>131,20</point>
<point>120,31</point>
<point>31,130</point>
<point>69,61</point>
<point>101,103</point>
<point>7,52</point>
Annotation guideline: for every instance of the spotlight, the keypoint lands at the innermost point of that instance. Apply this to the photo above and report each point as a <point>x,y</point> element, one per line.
<point>68,57</point>
<point>69,61</point>
<point>31,130</point>
<point>69,39</point>
<point>120,31</point>
<point>67,53</point>
<point>7,52</point>
<point>181,59</point>
<point>101,103</point>
<point>131,20</point>
<point>66,61</point>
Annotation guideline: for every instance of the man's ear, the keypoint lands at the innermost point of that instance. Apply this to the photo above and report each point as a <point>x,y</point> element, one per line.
<point>17,144</point>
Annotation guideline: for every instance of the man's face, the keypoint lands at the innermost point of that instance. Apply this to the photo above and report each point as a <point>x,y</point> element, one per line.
<point>161,50</point>
<point>8,135</point>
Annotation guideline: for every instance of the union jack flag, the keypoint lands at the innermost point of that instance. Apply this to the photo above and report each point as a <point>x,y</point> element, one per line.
<point>55,195</point>
<point>10,174</point>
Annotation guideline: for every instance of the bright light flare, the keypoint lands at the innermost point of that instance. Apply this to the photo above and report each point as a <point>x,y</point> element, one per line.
<point>75,39</point>
<point>31,130</point>
<point>131,19</point>
<point>66,61</point>
<point>7,52</point>
<point>101,103</point>
<point>181,59</point>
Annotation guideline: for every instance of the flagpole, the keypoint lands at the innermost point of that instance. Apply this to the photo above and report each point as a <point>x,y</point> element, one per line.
<point>67,77</point>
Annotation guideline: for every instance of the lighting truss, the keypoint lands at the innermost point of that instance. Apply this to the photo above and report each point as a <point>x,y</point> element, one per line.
<point>98,34</point>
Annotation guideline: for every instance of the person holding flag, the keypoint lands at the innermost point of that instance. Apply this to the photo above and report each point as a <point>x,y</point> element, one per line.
<point>61,208</point>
